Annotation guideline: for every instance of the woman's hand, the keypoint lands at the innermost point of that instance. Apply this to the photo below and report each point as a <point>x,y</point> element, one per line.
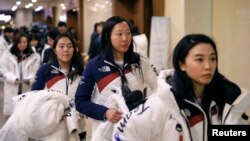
<point>113,115</point>
<point>27,82</point>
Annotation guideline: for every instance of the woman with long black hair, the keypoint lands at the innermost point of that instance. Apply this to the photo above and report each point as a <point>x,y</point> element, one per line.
<point>18,65</point>
<point>118,66</point>
<point>189,98</point>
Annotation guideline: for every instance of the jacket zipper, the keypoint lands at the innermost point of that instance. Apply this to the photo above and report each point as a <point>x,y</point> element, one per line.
<point>186,121</point>
<point>66,77</point>
<point>205,119</point>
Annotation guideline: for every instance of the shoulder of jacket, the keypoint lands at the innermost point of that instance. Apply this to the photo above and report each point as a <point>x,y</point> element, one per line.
<point>45,67</point>
<point>143,57</point>
<point>8,54</point>
<point>243,96</point>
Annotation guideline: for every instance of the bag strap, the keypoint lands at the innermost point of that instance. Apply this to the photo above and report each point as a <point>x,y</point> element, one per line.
<point>124,86</point>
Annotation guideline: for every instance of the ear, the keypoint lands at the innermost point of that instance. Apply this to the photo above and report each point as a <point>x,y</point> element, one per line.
<point>182,66</point>
<point>54,50</point>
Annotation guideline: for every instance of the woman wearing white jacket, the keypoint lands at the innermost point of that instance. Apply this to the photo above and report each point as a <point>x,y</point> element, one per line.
<point>188,100</point>
<point>18,66</point>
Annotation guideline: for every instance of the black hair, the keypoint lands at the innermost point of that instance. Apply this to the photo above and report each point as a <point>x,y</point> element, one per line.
<point>219,89</point>
<point>101,23</point>
<point>53,33</point>
<point>8,29</point>
<point>130,56</point>
<point>76,61</point>
<point>61,23</point>
<point>34,36</point>
<point>14,48</point>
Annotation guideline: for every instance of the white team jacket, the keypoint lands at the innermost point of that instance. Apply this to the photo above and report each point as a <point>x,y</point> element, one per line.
<point>3,45</point>
<point>134,83</point>
<point>47,115</point>
<point>105,128</point>
<point>160,119</point>
<point>10,71</point>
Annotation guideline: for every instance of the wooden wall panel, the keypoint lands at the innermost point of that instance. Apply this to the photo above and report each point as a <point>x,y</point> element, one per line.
<point>158,7</point>
<point>140,11</point>
<point>130,9</point>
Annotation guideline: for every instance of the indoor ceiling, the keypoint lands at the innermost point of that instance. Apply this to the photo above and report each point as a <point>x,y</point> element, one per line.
<point>6,5</point>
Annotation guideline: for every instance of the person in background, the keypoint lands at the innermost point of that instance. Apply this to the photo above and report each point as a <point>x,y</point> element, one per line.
<point>35,43</point>
<point>41,31</point>
<point>63,73</point>
<point>23,29</point>
<point>18,65</point>
<point>62,27</point>
<point>134,29</point>
<point>72,32</point>
<point>6,39</point>
<point>5,42</point>
<point>95,42</point>
<point>117,66</point>
<point>46,53</point>
<point>189,99</point>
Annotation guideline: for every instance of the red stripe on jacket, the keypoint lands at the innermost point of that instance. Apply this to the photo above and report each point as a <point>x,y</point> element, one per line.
<point>214,110</point>
<point>109,78</point>
<point>195,119</point>
<point>52,81</point>
<point>198,118</point>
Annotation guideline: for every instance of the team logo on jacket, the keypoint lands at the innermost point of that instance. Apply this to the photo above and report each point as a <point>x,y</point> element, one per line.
<point>54,71</point>
<point>81,80</point>
<point>104,69</point>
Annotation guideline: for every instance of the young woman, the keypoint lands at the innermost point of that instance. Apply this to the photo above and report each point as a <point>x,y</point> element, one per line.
<point>35,42</point>
<point>18,66</point>
<point>64,71</point>
<point>189,98</point>
<point>47,51</point>
<point>95,40</point>
<point>117,66</point>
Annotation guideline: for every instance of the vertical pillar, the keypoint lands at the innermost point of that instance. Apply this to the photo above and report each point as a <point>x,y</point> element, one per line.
<point>24,17</point>
<point>80,25</point>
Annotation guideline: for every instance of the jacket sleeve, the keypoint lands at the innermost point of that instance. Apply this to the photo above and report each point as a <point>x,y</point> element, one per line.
<point>149,73</point>
<point>240,111</point>
<point>7,74</point>
<point>39,81</point>
<point>84,93</point>
<point>34,67</point>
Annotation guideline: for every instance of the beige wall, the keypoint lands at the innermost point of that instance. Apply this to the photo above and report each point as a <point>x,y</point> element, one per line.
<point>91,17</point>
<point>231,30</point>
<point>175,10</point>
<point>198,16</point>
<point>188,16</point>
<point>227,21</point>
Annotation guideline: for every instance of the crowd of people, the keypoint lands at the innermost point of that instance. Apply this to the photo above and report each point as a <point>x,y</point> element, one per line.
<point>183,102</point>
